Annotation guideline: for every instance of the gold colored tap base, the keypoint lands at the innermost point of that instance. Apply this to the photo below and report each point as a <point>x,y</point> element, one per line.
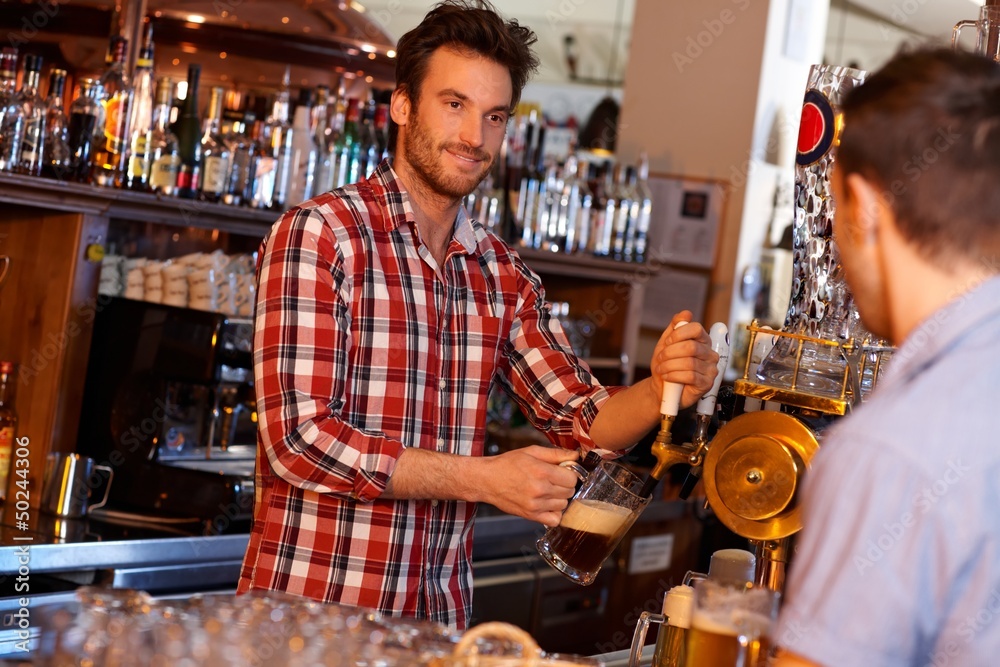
<point>667,454</point>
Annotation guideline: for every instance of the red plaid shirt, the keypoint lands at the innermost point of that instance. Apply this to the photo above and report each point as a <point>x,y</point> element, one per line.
<point>363,346</point>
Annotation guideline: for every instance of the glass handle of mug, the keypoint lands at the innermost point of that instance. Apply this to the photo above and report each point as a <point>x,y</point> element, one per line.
<point>639,638</point>
<point>5,260</point>
<point>957,31</point>
<point>580,471</point>
<point>107,487</point>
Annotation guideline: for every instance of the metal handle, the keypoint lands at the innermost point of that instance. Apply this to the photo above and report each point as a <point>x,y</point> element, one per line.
<point>107,488</point>
<point>957,30</point>
<point>639,637</point>
<point>670,403</point>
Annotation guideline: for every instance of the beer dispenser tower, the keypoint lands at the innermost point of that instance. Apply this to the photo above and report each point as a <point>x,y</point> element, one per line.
<point>798,379</point>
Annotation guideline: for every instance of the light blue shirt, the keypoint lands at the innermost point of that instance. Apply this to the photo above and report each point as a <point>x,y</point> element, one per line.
<point>898,562</point>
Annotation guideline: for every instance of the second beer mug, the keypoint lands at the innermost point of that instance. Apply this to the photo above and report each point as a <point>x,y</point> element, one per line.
<point>595,521</point>
<point>730,624</point>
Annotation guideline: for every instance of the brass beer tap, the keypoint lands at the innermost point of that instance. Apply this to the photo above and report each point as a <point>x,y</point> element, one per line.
<point>666,452</point>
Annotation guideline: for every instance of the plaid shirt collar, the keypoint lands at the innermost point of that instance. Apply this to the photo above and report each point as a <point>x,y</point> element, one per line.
<point>388,188</point>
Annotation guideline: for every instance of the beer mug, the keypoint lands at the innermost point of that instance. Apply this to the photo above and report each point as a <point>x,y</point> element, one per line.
<point>987,32</point>
<point>730,624</point>
<point>595,521</point>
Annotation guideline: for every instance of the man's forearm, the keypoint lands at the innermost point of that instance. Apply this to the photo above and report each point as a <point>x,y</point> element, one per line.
<point>423,475</point>
<point>626,417</point>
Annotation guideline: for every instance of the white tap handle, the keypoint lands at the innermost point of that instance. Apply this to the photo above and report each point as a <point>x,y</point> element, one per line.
<point>719,334</point>
<point>670,402</point>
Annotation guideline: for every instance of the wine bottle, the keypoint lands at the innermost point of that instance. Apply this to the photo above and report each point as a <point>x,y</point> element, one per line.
<point>188,132</point>
<point>216,156</point>
<point>164,153</point>
<point>141,122</point>
<point>111,151</point>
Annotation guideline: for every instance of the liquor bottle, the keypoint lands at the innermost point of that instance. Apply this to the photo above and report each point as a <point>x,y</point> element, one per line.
<point>574,208</point>
<point>348,146</point>
<point>111,152</point>
<point>57,153</point>
<point>8,423</point>
<point>622,213</point>
<point>604,218</point>
<point>644,202</point>
<point>281,135</point>
<point>33,107</point>
<point>216,155</point>
<point>164,152</point>
<point>263,170</point>
<point>241,150</point>
<point>83,119</point>
<point>323,136</point>
<point>8,77</point>
<point>11,114</point>
<point>305,155</point>
<point>141,122</point>
<point>188,130</point>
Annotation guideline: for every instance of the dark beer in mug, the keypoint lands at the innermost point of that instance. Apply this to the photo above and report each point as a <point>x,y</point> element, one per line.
<point>589,530</point>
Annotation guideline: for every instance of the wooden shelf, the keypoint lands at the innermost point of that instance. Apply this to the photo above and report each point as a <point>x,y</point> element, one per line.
<point>94,200</point>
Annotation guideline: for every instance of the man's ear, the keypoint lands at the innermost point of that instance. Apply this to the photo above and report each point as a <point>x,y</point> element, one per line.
<point>399,107</point>
<point>869,209</point>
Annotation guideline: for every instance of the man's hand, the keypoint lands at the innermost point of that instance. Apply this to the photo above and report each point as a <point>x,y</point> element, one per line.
<point>530,483</point>
<point>684,356</point>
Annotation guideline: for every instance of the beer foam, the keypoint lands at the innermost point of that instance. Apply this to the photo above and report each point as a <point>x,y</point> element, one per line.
<point>731,622</point>
<point>595,516</point>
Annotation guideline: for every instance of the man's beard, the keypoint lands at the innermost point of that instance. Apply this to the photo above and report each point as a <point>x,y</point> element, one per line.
<point>426,161</point>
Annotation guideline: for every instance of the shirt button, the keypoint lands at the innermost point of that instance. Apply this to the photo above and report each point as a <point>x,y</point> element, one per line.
<point>440,443</point>
<point>442,383</point>
<point>434,503</point>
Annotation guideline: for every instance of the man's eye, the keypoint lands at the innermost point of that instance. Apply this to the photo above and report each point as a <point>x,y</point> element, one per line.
<point>455,105</point>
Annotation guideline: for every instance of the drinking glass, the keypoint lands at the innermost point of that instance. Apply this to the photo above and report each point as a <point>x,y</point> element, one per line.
<point>730,624</point>
<point>595,521</point>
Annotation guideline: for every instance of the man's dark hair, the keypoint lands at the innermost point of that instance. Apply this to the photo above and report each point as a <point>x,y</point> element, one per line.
<point>925,129</point>
<point>467,26</point>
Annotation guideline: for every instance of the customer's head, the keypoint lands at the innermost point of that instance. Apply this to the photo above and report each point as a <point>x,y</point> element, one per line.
<point>925,131</point>
<point>472,27</point>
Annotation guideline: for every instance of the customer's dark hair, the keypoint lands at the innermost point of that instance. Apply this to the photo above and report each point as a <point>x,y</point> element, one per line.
<point>466,25</point>
<point>925,128</point>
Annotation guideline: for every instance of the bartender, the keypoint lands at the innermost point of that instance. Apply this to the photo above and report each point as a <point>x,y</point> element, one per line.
<point>384,315</point>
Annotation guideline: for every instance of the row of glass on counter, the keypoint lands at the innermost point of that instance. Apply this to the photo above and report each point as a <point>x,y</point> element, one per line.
<point>206,281</point>
<point>127,627</point>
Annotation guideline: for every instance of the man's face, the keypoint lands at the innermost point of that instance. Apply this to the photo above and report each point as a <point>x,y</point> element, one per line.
<point>451,136</point>
<point>856,237</point>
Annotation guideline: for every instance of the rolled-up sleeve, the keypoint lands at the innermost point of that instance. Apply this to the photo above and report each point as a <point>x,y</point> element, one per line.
<point>302,344</point>
<point>553,386</point>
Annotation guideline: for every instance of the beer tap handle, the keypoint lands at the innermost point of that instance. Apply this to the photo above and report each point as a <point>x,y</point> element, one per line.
<point>691,481</point>
<point>670,401</point>
<point>720,345</point>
